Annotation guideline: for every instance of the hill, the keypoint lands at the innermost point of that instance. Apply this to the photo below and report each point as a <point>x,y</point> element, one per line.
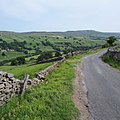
<point>34,42</point>
<point>89,33</point>
<point>13,45</point>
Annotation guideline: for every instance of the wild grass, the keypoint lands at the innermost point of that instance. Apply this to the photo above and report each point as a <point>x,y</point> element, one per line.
<point>52,101</point>
<point>49,101</point>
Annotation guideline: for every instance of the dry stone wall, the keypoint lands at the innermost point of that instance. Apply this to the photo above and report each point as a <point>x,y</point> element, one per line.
<point>114,54</point>
<point>10,86</point>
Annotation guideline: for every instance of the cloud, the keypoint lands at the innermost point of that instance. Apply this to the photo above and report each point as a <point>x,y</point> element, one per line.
<point>22,9</point>
<point>63,14</point>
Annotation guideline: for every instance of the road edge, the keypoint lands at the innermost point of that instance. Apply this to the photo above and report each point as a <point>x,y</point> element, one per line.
<point>80,96</point>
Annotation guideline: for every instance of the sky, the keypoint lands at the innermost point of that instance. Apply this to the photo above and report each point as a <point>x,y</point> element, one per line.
<point>59,15</point>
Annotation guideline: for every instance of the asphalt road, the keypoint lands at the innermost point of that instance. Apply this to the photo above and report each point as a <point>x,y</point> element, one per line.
<point>103,84</point>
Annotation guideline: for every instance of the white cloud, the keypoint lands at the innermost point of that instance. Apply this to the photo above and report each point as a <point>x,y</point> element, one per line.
<point>62,14</point>
<point>22,9</point>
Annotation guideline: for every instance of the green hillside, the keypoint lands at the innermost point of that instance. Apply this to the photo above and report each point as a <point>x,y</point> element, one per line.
<point>30,45</point>
<point>34,43</point>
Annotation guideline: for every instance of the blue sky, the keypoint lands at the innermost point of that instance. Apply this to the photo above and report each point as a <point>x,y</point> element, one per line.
<point>59,15</point>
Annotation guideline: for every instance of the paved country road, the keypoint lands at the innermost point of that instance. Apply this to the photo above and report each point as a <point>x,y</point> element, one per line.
<point>103,84</point>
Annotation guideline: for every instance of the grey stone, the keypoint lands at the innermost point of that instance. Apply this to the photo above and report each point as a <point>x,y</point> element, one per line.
<point>2,98</point>
<point>6,84</point>
<point>29,82</point>
<point>1,82</point>
<point>8,96</point>
<point>10,75</point>
<point>8,90</point>
<point>2,86</point>
<point>2,90</point>
<point>3,73</point>
<point>4,79</point>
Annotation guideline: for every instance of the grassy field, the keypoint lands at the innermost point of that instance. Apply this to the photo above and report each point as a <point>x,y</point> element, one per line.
<point>42,42</point>
<point>10,55</point>
<point>35,43</point>
<point>20,71</point>
<point>51,101</point>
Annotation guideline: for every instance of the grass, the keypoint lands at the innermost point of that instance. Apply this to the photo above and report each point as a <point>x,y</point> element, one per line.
<point>111,61</point>
<point>51,101</point>
<point>33,39</point>
<point>20,71</point>
<point>10,55</point>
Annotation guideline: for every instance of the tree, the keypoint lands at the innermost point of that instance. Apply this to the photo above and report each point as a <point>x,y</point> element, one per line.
<point>26,52</point>
<point>14,62</point>
<point>111,40</point>
<point>3,54</point>
<point>18,61</point>
<point>57,54</point>
<point>30,43</point>
<point>21,60</point>
<point>24,42</point>
<point>45,56</point>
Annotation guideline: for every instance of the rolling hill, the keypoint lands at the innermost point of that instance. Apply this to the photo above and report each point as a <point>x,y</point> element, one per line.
<point>80,33</point>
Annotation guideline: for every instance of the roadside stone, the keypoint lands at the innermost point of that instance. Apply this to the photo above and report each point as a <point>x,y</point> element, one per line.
<point>2,86</point>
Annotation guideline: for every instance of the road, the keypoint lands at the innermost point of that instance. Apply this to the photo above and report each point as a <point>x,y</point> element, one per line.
<point>103,84</point>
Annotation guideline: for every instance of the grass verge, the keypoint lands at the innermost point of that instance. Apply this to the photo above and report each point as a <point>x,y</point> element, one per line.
<point>51,101</point>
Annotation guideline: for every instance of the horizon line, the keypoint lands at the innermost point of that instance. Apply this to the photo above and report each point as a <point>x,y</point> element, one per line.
<point>52,31</point>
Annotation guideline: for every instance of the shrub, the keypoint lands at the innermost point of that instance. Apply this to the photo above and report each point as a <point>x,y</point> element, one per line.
<point>57,54</point>
<point>3,54</point>
<point>45,56</point>
<point>18,61</point>
<point>111,40</point>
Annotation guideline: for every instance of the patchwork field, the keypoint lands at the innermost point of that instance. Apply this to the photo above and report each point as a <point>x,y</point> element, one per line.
<point>30,45</point>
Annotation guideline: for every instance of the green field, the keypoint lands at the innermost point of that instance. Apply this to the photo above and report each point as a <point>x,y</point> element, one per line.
<point>34,43</point>
<point>10,55</point>
<point>20,71</point>
<point>31,45</point>
<point>51,101</point>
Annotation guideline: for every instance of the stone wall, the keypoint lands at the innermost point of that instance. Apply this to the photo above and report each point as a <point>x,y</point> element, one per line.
<point>114,54</point>
<point>51,60</point>
<point>9,86</point>
<point>60,57</point>
<point>48,70</point>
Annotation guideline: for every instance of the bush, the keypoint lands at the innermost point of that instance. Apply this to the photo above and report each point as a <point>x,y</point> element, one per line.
<point>105,45</point>
<point>25,52</point>
<point>3,54</point>
<point>45,56</point>
<point>18,61</point>
<point>57,54</point>
<point>111,40</point>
